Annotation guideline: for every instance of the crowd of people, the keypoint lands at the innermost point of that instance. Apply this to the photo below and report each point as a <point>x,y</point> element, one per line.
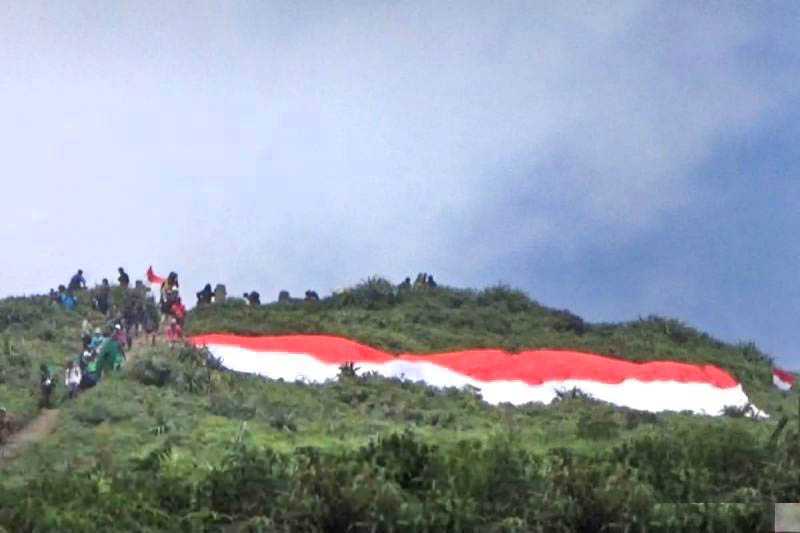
<point>127,317</point>
<point>103,351</point>
<point>423,281</point>
<point>131,314</point>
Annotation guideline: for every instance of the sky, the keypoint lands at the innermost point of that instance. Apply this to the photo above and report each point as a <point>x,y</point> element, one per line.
<point>618,159</point>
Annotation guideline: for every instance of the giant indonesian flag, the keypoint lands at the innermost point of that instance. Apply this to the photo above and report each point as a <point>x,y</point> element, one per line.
<point>782,379</point>
<point>531,376</point>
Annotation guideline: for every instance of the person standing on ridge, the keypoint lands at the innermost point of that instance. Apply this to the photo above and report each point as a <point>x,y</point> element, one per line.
<point>204,297</point>
<point>169,290</point>
<point>253,298</point>
<point>77,282</point>
<point>103,297</point>
<point>124,279</point>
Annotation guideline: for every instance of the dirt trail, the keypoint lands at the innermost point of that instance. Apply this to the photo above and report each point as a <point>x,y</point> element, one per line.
<point>47,420</point>
<point>36,430</point>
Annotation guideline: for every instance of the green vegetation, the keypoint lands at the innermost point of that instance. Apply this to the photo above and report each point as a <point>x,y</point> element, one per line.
<point>174,443</point>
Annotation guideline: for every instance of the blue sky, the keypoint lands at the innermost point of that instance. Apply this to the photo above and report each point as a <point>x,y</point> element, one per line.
<point>618,159</point>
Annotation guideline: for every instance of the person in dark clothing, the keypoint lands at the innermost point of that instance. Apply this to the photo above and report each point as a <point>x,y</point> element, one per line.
<point>405,286</point>
<point>90,373</point>
<point>253,298</point>
<point>77,282</point>
<point>46,385</point>
<point>103,294</point>
<point>124,279</point>
<point>204,296</point>
<point>312,296</point>
<point>431,284</point>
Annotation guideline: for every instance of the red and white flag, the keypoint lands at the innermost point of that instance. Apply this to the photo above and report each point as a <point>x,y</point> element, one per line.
<point>782,379</point>
<point>530,376</point>
<point>154,280</point>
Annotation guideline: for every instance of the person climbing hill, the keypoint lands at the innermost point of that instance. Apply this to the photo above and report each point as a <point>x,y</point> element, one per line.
<point>110,356</point>
<point>90,373</point>
<point>66,299</point>
<point>47,384</point>
<point>169,292</point>
<point>72,378</point>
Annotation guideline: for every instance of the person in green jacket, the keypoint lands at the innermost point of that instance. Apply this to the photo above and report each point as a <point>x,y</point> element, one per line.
<point>111,356</point>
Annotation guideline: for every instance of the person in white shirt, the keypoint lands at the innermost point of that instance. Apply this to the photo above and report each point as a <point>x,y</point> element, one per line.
<point>72,378</point>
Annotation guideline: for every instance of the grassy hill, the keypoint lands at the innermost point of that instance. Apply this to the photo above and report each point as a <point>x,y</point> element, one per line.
<point>170,443</point>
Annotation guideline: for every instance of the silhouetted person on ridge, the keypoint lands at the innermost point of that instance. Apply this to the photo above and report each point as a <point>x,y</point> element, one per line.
<point>431,284</point>
<point>220,294</point>
<point>312,296</point>
<point>77,282</point>
<point>253,298</point>
<point>204,297</point>
<point>124,279</point>
<point>406,285</point>
<point>103,294</point>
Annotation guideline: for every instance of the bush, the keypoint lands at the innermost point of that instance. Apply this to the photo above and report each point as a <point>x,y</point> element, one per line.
<point>232,405</point>
<point>512,300</point>
<point>375,293</point>
<point>95,411</point>
<point>597,424</point>
<point>154,370</point>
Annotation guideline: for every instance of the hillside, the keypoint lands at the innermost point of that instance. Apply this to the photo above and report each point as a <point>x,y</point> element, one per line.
<point>171,443</point>
<point>448,319</point>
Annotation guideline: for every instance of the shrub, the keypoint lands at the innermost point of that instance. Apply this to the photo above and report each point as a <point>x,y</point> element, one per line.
<point>568,322</point>
<point>598,424</point>
<point>154,370</point>
<point>95,411</point>
<point>512,300</point>
<point>375,293</point>
<point>232,405</point>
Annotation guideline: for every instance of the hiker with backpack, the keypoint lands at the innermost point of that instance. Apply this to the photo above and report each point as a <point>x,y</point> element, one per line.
<point>90,373</point>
